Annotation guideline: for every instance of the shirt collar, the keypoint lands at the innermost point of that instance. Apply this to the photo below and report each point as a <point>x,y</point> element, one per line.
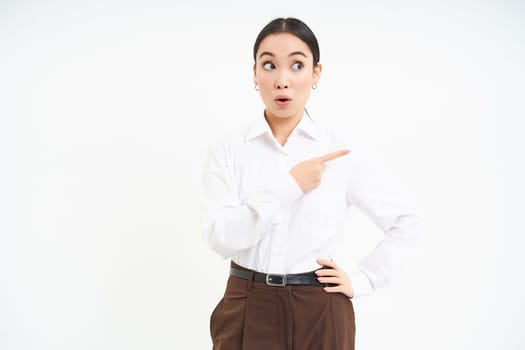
<point>260,126</point>
<point>257,128</point>
<point>307,126</point>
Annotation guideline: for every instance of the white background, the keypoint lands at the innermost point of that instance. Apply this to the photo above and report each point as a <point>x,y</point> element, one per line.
<point>106,108</point>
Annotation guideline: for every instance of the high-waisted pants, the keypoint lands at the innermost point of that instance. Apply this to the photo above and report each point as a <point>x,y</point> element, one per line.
<point>255,316</point>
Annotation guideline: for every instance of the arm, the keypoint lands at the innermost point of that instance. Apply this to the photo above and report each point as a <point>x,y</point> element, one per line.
<point>382,203</point>
<point>231,225</point>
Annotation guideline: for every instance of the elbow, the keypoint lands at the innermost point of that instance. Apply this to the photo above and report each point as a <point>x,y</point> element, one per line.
<point>220,249</point>
<point>407,232</point>
<point>215,241</point>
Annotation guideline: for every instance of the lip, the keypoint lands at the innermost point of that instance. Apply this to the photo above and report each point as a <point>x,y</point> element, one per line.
<point>282,100</point>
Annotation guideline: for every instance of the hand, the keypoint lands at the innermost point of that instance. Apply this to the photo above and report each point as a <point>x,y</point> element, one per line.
<point>308,173</point>
<point>333,274</point>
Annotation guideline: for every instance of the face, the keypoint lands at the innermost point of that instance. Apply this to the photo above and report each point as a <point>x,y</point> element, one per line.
<point>285,73</point>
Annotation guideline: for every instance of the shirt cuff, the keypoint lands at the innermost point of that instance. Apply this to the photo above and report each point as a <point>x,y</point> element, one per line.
<point>360,283</point>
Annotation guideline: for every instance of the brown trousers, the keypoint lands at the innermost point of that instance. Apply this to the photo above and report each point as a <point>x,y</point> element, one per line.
<point>255,316</point>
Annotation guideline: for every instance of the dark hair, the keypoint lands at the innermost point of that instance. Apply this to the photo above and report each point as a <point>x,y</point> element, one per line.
<point>293,26</point>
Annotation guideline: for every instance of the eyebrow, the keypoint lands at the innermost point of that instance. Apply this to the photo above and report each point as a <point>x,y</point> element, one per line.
<point>298,53</point>
<point>268,53</point>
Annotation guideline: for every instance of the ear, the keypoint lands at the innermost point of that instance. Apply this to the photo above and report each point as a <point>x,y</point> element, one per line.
<point>317,73</point>
<point>254,74</point>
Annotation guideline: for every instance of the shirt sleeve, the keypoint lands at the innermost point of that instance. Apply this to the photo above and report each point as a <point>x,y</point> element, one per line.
<point>231,225</point>
<point>381,200</point>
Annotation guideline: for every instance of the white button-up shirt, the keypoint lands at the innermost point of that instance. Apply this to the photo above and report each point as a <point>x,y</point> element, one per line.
<point>255,213</point>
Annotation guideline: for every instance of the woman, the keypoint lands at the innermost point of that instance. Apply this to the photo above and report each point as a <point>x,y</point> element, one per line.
<point>275,201</point>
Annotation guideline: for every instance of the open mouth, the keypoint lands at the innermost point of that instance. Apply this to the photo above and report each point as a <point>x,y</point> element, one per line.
<point>283,100</point>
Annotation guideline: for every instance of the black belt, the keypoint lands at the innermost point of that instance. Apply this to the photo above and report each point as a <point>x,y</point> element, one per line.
<point>276,280</point>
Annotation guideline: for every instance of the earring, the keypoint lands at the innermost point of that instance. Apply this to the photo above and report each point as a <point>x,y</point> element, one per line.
<point>256,87</point>
<point>314,86</point>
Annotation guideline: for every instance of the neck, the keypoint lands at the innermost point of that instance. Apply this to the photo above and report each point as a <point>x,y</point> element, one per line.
<point>282,127</point>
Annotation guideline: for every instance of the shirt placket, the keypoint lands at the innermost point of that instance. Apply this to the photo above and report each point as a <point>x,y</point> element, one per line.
<point>279,246</point>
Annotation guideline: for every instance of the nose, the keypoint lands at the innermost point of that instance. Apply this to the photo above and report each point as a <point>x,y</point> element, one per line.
<point>281,85</point>
<point>282,81</point>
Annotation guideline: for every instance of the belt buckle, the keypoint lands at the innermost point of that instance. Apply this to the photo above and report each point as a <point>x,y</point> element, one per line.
<point>276,280</point>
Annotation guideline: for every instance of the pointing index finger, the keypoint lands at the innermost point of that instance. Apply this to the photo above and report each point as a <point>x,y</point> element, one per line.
<point>333,155</point>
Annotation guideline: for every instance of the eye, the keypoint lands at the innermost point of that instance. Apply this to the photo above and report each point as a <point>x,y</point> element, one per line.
<point>268,66</point>
<point>297,66</point>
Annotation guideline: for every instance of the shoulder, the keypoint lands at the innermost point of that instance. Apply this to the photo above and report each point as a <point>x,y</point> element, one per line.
<point>360,160</point>
<point>230,141</point>
<point>334,136</point>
